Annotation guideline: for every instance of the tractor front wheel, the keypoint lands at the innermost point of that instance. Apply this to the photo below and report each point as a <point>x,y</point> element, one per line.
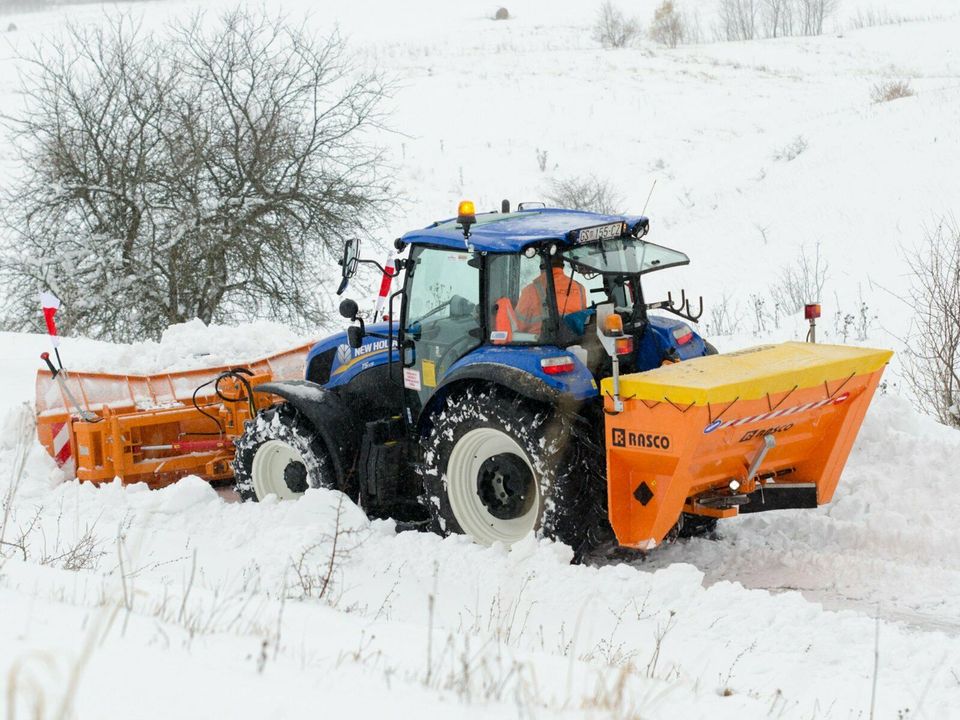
<point>497,467</point>
<point>280,454</point>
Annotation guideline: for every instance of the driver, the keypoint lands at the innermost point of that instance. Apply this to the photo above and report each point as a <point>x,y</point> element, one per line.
<point>532,308</point>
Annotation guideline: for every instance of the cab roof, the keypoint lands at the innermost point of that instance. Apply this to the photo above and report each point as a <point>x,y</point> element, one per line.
<point>512,232</point>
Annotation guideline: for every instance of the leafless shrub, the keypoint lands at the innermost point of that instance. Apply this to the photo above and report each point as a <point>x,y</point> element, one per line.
<point>22,438</point>
<point>801,281</point>
<point>856,325</point>
<point>663,629</point>
<point>891,90</point>
<point>668,26</point>
<point>758,307</point>
<point>502,14</point>
<point>586,193</point>
<point>210,172</point>
<point>872,17</point>
<point>613,29</point>
<point>28,539</point>
<point>504,619</point>
<point>542,156</point>
<point>725,689</point>
<point>724,319</point>
<point>932,357</point>
<point>613,650</point>
<point>317,579</point>
<point>792,150</point>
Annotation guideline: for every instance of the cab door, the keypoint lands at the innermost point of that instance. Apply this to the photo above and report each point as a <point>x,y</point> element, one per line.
<point>441,318</point>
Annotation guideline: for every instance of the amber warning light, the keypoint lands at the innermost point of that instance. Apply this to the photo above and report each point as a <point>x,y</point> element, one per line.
<point>466,216</point>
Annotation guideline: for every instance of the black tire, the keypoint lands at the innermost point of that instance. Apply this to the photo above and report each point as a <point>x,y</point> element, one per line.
<point>281,424</point>
<point>709,349</point>
<point>567,505</point>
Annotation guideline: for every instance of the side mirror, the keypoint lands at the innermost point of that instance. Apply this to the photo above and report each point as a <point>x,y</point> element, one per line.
<point>354,336</point>
<point>349,309</point>
<point>348,263</point>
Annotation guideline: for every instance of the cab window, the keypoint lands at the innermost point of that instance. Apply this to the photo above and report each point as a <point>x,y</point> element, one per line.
<point>507,276</point>
<point>442,316</point>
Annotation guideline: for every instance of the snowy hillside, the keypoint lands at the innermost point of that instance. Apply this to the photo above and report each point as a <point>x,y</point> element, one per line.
<point>181,602</point>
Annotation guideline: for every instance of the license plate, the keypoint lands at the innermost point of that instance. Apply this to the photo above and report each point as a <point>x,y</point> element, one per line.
<point>600,232</point>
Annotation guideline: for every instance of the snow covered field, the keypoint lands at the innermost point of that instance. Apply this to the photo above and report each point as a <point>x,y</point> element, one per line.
<point>181,603</point>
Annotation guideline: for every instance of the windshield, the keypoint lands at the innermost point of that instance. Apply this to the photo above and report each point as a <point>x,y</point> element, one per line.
<point>624,256</point>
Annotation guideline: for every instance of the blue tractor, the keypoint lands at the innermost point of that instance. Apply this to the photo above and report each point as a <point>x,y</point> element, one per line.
<point>475,407</point>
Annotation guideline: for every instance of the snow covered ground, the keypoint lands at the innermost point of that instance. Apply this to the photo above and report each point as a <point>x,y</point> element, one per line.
<point>180,603</point>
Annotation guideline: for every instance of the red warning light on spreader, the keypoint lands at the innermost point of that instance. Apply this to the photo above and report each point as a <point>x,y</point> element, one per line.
<point>811,311</point>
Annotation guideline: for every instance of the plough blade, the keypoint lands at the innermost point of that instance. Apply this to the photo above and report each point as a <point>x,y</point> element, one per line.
<point>147,428</point>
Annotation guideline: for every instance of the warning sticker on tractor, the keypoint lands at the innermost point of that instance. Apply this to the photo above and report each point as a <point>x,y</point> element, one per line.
<point>411,379</point>
<point>429,374</point>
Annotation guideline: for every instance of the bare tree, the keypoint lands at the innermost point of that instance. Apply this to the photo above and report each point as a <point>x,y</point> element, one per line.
<point>668,25</point>
<point>777,17</point>
<point>587,193</point>
<point>210,173</point>
<point>811,15</point>
<point>932,358</point>
<point>749,19</point>
<point>738,19</point>
<point>613,29</point>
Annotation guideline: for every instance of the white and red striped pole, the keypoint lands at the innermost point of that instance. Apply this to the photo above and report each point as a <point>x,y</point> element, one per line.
<point>385,282</point>
<point>50,304</point>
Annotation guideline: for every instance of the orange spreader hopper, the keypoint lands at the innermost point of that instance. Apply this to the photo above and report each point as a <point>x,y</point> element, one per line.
<point>149,429</point>
<point>764,428</point>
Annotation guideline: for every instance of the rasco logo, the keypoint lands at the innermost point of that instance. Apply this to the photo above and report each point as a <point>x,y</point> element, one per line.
<point>625,438</point>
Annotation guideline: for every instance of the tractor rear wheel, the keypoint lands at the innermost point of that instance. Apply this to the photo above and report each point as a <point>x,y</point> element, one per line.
<point>497,467</point>
<point>280,454</point>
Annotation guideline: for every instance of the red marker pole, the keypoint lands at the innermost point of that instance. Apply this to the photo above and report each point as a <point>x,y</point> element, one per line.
<point>385,282</point>
<point>50,304</point>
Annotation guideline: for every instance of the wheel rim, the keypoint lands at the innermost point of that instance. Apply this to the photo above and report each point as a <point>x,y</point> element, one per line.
<point>487,471</point>
<point>278,469</point>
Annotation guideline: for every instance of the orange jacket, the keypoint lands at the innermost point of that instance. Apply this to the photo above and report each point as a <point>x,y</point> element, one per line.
<point>571,298</point>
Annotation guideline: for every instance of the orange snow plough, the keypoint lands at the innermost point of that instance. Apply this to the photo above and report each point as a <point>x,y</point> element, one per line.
<point>154,428</point>
<point>764,428</point>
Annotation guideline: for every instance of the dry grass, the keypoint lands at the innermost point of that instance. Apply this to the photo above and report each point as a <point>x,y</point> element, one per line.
<point>891,90</point>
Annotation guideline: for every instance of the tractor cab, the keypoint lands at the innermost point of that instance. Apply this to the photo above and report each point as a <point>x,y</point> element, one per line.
<point>518,298</point>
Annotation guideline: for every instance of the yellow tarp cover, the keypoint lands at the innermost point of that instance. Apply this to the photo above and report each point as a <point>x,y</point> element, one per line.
<point>750,374</point>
